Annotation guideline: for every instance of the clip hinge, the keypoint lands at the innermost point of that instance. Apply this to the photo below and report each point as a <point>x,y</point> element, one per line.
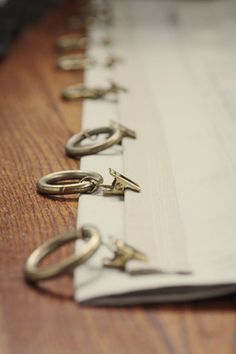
<point>125,132</point>
<point>115,88</point>
<point>123,253</point>
<point>113,60</point>
<point>119,184</point>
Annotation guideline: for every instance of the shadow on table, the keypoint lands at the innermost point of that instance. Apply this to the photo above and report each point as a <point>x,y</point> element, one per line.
<point>62,289</point>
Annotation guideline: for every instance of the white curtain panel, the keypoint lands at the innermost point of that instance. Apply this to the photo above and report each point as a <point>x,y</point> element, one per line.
<point>180,71</point>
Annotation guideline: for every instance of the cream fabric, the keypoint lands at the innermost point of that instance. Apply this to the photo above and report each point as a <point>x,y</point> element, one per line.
<point>179,67</point>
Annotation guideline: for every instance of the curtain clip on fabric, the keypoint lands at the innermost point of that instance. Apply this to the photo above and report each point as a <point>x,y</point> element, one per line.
<point>123,253</point>
<point>89,182</point>
<point>119,185</point>
<point>112,61</point>
<point>91,237</point>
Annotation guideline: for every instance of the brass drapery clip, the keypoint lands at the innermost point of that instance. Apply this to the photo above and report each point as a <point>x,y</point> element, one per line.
<point>119,184</point>
<point>123,253</point>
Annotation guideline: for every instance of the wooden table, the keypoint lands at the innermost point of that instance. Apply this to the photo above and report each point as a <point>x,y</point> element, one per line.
<point>34,125</point>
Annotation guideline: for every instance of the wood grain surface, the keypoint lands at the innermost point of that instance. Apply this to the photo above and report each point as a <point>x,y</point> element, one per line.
<point>34,125</point>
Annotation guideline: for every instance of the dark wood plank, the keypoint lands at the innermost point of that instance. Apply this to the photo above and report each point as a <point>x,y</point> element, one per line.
<point>34,125</point>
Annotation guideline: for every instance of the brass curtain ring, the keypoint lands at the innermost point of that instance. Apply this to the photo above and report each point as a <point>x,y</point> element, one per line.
<point>116,132</point>
<point>89,182</point>
<point>80,92</point>
<point>92,239</point>
<point>48,184</point>
<point>75,41</point>
<point>83,62</point>
<point>72,41</point>
<point>74,62</point>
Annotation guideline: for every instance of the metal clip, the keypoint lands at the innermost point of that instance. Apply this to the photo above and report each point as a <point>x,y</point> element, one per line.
<point>123,253</point>
<point>106,41</point>
<point>125,132</point>
<point>77,92</point>
<point>112,60</point>
<point>119,184</point>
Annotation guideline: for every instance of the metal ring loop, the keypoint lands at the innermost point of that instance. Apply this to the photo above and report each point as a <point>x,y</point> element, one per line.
<point>93,182</point>
<point>89,234</point>
<point>80,91</point>
<point>74,62</point>
<point>74,149</point>
<point>72,41</point>
<point>48,184</point>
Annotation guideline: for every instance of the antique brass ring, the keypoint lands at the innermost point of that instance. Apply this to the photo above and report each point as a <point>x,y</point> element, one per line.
<point>72,41</point>
<point>80,91</point>
<point>115,132</point>
<point>92,239</point>
<point>49,183</point>
<point>74,62</point>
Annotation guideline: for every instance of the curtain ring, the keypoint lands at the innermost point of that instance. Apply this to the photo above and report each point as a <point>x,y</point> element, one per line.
<point>72,41</point>
<point>88,233</point>
<point>74,62</point>
<point>116,132</point>
<point>48,184</point>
